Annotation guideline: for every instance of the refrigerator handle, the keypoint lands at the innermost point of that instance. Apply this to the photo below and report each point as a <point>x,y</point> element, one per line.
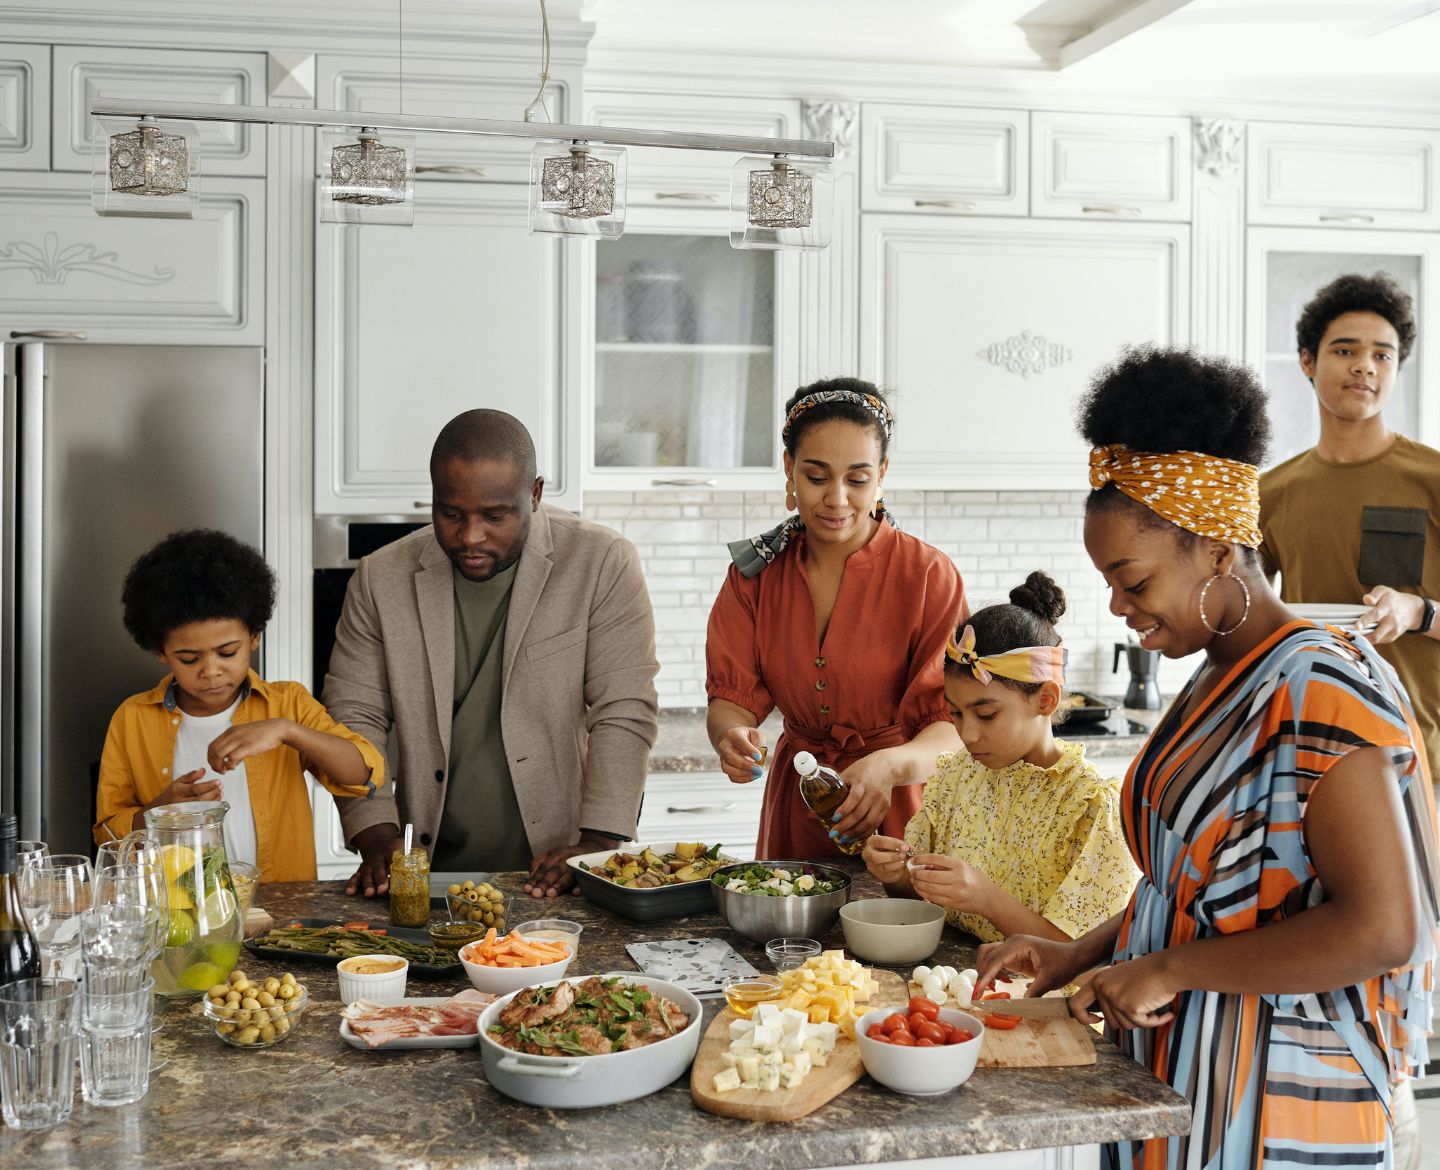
<point>48,335</point>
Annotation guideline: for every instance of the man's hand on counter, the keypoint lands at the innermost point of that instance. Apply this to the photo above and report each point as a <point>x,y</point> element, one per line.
<point>550,876</point>
<point>376,844</point>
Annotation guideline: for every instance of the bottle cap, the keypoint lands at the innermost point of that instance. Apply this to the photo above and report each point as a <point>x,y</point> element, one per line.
<point>9,827</point>
<point>806,764</point>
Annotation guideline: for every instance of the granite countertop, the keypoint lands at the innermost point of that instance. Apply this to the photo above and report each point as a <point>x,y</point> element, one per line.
<point>313,1100</point>
<point>682,744</point>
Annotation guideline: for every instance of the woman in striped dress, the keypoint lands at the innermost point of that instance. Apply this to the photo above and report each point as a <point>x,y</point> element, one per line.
<point>1274,963</point>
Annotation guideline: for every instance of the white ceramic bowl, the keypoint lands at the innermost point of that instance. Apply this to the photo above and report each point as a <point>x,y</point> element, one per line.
<point>920,1072</point>
<point>892,931</point>
<point>387,987</point>
<point>503,980</point>
<point>583,1082</point>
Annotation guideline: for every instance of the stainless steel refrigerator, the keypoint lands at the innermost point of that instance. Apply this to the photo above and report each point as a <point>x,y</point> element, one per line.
<point>106,449</point>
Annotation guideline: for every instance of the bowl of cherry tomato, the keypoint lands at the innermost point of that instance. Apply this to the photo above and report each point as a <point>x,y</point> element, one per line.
<point>922,1049</point>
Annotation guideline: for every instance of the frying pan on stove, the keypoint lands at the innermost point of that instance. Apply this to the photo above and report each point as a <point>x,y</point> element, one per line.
<point>1086,708</point>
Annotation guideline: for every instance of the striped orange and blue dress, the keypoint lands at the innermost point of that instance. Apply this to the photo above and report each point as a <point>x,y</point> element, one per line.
<point>1214,810</point>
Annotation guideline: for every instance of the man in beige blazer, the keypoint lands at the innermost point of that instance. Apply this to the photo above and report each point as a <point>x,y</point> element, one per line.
<point>511,648</point>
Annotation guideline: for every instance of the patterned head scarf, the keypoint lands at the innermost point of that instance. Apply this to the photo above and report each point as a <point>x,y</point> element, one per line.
<point>1203,494</point>
<point>1029,664</point>
<point>869,402</point>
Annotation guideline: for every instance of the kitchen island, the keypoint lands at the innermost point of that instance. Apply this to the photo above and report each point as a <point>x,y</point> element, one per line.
<point>314,1100</point>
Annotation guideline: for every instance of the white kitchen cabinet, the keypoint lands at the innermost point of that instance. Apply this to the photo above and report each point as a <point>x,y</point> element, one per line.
<point>1285,268</point>
<point>702,806</point>
<point>985,332</point>
<point>480,86</point>
<point>695,350</point>
<point>1110,166</point>
<point>701,178</point>
<point>1342,176</point>
<point>333,861</point>
<point>122,279</point>
<point>415,325</point>
<point>84,73</point>
<point>24,107</point>
<point>942,161</point>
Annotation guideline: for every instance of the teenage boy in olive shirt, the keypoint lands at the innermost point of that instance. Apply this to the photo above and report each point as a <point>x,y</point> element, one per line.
<point>1356,519</point>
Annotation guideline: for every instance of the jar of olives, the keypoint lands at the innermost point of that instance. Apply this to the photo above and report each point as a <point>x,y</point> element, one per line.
<point>409,888</point>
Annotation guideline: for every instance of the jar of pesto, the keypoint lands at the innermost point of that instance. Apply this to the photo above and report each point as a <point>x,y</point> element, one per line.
<point>409,888</point>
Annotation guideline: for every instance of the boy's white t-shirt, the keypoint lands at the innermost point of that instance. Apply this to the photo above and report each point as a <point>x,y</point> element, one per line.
<point>192,745</point>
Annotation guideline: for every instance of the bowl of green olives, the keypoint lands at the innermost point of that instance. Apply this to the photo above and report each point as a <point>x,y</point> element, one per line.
<point>250,1013</point>
<point>480,903</point>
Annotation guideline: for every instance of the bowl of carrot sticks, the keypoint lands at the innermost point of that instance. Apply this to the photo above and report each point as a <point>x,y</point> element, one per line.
<point>500,964</point>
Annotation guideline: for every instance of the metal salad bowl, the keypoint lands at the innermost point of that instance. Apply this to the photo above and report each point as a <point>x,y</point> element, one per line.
<point>765,916</point>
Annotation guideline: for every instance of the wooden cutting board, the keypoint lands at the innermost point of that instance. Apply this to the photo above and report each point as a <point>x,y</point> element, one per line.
<point>821,1085</point>
<point>257,922</point>
<point>1048,1037</point>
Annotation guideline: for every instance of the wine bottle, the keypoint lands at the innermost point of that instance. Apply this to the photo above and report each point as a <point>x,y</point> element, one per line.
<point>823,791</point>
<point>19,954</point>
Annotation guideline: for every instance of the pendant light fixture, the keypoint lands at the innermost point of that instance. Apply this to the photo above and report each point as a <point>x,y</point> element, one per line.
<point>143,168</point>
<point>780,202</point>
<point>368,180</point>
<point>577,190</point>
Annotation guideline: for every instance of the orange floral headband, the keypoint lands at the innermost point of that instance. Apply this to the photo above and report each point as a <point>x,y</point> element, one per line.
<point>1203,494</point>
<point>1029,664</point>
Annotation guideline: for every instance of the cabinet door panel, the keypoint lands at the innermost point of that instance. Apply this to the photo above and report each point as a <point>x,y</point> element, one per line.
<point>702,806</point>
<point>986,332</point>
<point>1098,166</point>
<point>462,310</point>
<point>944,161</point>
<point>84,73</point>
<point>133,279</point>
<point>1344,176</point>
<point>24,107</point>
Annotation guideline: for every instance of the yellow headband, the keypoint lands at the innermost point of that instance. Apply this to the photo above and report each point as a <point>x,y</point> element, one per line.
<point>1029,664</point>
<point>1203,494</point>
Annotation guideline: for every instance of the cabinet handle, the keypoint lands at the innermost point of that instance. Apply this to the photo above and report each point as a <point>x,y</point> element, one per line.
<point>954,204</point>
<point>423,504</point>
<point>691,196</point>
<point>703,808</point>
<point>1111,210</point>
<point>682,483</point>
<point>48,334</point>
<point>450,169</point>
<point>1338,217</point>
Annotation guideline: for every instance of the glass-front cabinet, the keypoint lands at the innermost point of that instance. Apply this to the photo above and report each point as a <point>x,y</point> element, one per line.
<point>694,355</point>
<point>1286,267</point>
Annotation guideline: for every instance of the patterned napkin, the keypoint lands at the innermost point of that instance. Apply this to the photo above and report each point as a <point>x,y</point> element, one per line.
<point>700,965</point>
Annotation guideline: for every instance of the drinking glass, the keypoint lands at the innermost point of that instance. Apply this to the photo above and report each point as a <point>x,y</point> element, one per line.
<point>115,1044</point>
<point>39,1026</point>
<point>142,885</point>
<point>54,893</point>
<point>117,943</point>
<point>137,848</point>
<point>29,852</point>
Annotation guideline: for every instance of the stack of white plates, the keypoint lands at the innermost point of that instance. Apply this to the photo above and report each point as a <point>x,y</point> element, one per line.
<point>1333,613</point>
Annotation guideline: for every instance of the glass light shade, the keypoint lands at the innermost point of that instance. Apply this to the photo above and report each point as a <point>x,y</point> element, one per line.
<point>144,167</point>
<point>780,203</point>
<point>367,180</point>
<point>577,190</point>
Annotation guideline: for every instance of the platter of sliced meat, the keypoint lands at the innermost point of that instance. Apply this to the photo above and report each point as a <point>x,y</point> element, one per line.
<point>430,1022</point>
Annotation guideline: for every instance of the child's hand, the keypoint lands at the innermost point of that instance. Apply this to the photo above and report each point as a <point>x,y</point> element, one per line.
<point>950,882</point>
<point>885,858</point>
<point>239,742</point>
<point>191,786</point>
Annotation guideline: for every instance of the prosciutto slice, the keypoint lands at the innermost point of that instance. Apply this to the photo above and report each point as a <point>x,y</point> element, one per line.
<point>378,1024</point>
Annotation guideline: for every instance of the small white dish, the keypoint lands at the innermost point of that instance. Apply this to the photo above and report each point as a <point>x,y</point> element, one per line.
<point>411,1041</point>
<point>382,987</point>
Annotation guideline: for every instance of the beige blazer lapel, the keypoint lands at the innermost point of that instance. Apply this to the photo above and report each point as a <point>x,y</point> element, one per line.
<point>435,601</point>
<point>530,577</point>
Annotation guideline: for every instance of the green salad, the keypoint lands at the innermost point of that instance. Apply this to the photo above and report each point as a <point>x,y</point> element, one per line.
<point>776,882</point>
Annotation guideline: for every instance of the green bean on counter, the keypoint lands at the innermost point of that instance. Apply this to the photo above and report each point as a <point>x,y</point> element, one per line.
<point>340,943</point>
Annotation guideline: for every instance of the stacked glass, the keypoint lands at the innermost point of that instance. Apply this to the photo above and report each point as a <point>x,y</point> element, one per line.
<point>54,891</point>
<point>39,1026</point>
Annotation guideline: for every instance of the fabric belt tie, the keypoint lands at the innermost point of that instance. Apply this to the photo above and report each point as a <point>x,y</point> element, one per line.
<point>842,740</point>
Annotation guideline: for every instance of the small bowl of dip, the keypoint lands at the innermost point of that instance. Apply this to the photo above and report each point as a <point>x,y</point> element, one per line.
<point>564,930</point>
<point>378,978</point>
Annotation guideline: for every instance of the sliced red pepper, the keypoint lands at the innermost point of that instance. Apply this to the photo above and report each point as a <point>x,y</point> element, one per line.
<point>995,995</point>
<point>1003,1022</point>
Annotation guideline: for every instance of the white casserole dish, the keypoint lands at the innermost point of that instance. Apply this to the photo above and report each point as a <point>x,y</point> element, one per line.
<point>584,1082</point>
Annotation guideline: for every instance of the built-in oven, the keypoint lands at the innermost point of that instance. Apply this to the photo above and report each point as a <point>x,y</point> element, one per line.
<point>340,542</point>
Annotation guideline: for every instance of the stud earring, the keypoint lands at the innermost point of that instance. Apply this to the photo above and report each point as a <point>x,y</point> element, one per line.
<point>1245,589</point>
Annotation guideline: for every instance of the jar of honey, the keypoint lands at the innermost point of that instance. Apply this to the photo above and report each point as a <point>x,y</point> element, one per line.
<point>409,888</point>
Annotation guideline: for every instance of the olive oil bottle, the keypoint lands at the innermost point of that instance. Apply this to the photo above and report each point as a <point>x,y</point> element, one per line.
<point>824,791</point>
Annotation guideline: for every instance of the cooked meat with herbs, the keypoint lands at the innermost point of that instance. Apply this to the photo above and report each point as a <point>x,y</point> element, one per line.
<point>590,1018</point>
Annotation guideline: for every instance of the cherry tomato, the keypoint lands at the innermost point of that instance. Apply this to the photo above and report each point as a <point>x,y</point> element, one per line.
<point>924,1006</point>
<point>958,1036</point>
<point>875,1032</point>
<point>895,1022</point>
<point>996,995</point>
<point>902,1038</point>
<point>923,1042</point>
<point>916,1019</point>
<point>1004,1023</point>
<point>928,1030</point>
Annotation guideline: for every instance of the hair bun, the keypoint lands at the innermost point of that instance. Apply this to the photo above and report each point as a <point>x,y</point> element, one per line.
<point>1040,595</point>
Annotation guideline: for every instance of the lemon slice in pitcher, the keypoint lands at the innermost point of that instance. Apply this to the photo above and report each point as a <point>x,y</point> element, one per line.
<point>176,859</point>
<point>219,908</point>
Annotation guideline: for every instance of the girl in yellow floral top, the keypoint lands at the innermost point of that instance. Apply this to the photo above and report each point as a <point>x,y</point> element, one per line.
<point>1018,833</point>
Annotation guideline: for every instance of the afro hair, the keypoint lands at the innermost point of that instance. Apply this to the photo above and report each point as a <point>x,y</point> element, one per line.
<point>194,576</point>
<point>1377,294</point>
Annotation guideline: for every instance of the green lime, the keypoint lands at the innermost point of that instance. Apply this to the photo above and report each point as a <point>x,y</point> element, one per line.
<point>224,955</point>
<point>217,911</point>
<point>182,929</point>
<point>200,977</point>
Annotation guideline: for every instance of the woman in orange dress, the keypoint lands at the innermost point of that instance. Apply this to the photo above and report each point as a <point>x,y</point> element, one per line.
<point>840,620</point>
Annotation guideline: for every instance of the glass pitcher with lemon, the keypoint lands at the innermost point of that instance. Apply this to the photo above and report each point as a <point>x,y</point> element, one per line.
<point>205,921</point>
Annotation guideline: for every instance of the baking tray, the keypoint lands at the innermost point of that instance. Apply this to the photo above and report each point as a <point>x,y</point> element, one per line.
<point>409,934</point>
<point>697,897</point>
<point>1093,709</point>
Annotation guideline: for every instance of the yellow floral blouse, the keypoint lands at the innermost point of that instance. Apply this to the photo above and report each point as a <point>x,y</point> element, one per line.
<point>1049,836</point>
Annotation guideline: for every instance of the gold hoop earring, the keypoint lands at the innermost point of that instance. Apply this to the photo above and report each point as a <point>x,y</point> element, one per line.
<point>1245,589</point>
<point>789,496</point>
